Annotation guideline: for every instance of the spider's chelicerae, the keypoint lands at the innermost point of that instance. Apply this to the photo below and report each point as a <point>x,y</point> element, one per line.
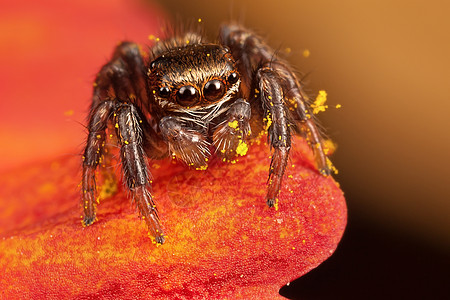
<point>188,98</point>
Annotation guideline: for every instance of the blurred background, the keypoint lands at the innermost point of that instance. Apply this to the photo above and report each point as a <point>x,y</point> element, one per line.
<point>386,62</point>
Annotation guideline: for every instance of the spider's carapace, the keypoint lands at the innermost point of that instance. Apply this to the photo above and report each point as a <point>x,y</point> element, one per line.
<point>189,98</point>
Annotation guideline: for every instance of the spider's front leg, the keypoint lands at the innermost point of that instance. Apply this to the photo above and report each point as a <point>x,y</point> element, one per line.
<point>279,87</point>
<point>297,102</point>
<point>120,80</point>
<point>134,164</point>
<point>279,135</point>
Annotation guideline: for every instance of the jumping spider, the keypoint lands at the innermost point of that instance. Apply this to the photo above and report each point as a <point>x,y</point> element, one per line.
<point>190,97</point>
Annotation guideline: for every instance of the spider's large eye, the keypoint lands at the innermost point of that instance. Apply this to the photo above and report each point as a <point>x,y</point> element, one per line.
<point>164,92</point>
<point>214,90</point>
<point>187,95</point>
<point>233,78</point>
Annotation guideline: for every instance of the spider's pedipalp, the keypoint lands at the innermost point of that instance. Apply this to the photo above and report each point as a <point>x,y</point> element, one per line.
<point>185,143</point>
<point>231,135</point>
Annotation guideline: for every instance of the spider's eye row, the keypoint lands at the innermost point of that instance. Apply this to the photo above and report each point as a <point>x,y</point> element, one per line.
<point>187,95</point>
<point>233,77</point>
<point>214,90</point>
<point>164,92</point>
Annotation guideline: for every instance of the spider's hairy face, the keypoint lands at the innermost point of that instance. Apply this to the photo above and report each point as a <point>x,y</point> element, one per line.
<point>194,79</point>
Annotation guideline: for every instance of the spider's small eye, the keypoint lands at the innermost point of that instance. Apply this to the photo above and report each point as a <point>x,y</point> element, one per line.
<point>213,90</point>
<point>233,78</point>
<point>164,92</point>
<point>187,95</point>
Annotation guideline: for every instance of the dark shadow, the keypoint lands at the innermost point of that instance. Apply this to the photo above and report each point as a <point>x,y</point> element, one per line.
<point>371,263</point>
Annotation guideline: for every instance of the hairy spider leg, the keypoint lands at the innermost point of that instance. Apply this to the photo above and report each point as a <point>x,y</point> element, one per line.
<point>120,80</point>
<point>276,81</point>
<point>231,135</point>
<point>279,135</point>
<point>134,165</point>
<point>98,121</point>
<point>123,77</point>
<point>253,58</point>
<point>298,103</point>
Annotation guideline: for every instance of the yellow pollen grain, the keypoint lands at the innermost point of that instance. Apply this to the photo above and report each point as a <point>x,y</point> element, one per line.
<point>242,148</point>
<point>69,112</point>
<point>233,124</point>
<point>199,20</point>
<point>187,41</point>
<point>269,122</point>
<point>338,106</point>
<point>306,53</point>
<point>319,103</point>
<point>329,147</point>
<point>331,166</point>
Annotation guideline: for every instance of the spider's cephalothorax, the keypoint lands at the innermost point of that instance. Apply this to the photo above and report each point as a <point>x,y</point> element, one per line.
<point>189,98</point>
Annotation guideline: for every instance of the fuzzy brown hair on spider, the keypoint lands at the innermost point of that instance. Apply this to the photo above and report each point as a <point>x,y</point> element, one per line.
<point>192,99</point>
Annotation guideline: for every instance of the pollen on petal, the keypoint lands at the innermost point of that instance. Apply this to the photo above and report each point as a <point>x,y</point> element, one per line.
<point>242,148</point>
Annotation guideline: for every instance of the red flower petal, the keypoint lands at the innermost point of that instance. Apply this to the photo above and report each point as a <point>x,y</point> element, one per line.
<point>222,239</point>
